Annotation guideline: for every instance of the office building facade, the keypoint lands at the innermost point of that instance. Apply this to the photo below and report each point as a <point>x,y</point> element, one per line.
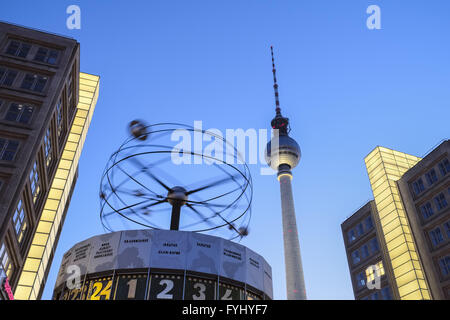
<point>411,214</point>
<point>45,110</point>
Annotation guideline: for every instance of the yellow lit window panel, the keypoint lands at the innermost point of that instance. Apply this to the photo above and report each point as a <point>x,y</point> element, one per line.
<point>406,278</point>
<point>44,227</point>
<point>22,293</point>
<point>74,137</point>
<point>27,278</point>
<point>408,288</point>
<point>396,241</point>
<point>79,121</point>
<point>87,88</point>
<point>40,239</point>
<point>58,183</point>
<point>400,270</point>
<point>36,251</point>
<point>68,155</point>
<point>76,129</point>
<point>398,231</point>
<point>426,295</point>
<point>55,194</point>
<point>85,100</point>
<point>401,259</point>
<point>31,264</point>
<point>48,215</point>
<point>62,174</point>
<point>51,204</point>
<point>395,252</point>
<point>65,164</point>
<point>88,82</point>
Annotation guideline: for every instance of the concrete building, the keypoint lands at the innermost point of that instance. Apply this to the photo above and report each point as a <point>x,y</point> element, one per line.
<point>45,110</point>
<point>365,247</point>
<point>411,214</point>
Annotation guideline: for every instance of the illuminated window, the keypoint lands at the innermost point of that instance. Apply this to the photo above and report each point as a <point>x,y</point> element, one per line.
<point>19,113</point>
<point>418,186</point>
<point>19,221</point>
<point>355,257</point>
<point>369,223</point>
<point>444,167</point>
<point>360,280</point>
<point>8,149</point>
<point>440,202</point>
<point>7,76</point>
<point>18,49</point>
<point>35,182</point>
<point>5,262</point>
<point>48,148</point>
<point>46,55</point>
<point>431,177</point>
<point>34,82</point>
<point>375,271</point>
<point>374,245</point>
<point>427,210</point>
<point>444,263</point>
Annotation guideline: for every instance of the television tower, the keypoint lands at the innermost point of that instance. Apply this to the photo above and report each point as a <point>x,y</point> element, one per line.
<point>283,158</point>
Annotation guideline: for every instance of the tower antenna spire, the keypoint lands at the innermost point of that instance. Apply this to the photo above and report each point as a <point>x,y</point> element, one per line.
<point>275,84</point>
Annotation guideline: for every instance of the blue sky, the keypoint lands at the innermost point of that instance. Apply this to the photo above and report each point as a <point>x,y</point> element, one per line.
<point>346,89</point>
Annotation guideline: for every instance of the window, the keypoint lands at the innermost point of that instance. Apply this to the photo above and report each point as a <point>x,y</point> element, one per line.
<point>444,167</point>
<point>431,177</point>
<point>447,229</point>
<point>369,223</point>
<point>360,229</point>
<point>34,82</point>
<point>440,202</point>
<point>8,149</point>
<point>19,113</point>
<point>5,262</point>
<point>436,236</point>
<point>374,245</point>
<point>418,186</point>
<point>365,251</point>
<point>46,55</point>
<point>374,271</point>
<point>48,147</point>
<point>35,182</point>
<point>360,280</point>
<point>355,257</point>
<point>18,49</point>
<point>19,221</point>
<point>444,263</point>
<point>427,210</point>
<point>351,235</point>
<point>386,293</point>
<point>7,76</point>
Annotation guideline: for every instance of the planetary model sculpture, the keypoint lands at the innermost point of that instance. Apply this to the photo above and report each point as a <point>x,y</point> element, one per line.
<point>141,183</point>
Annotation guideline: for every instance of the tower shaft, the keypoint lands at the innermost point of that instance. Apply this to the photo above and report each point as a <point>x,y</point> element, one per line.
<point>295,282</point>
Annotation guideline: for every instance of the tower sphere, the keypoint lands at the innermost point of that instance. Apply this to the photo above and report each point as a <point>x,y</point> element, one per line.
<point>287,153</point>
